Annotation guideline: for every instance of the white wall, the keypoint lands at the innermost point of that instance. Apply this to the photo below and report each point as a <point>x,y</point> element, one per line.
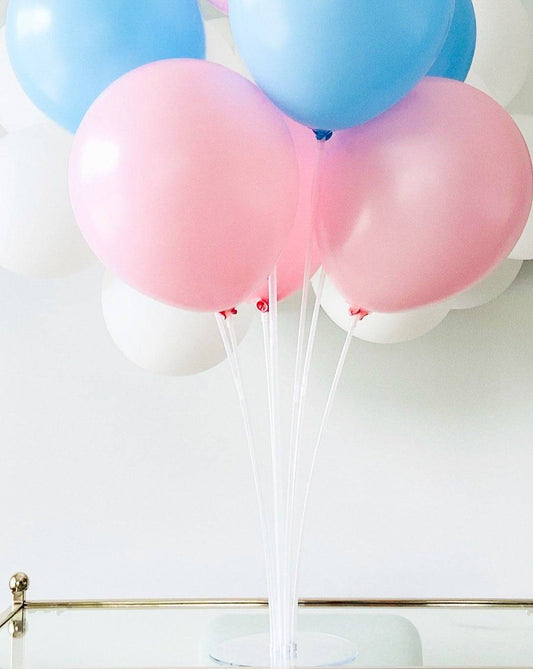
<point>114,482</point>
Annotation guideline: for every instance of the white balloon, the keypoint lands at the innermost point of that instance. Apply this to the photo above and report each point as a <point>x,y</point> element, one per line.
<point>477,82</point>
<point>161,338</point>
<point>523,102</point>
<point>489,288</point>
<point>504,48</point>
<point>524,248</point>
<point>208,10</point>
<point>17,111</point>
<point>381,328</point>
<point>221,48</point>
<point>3,10</point>
<point>38,233</point>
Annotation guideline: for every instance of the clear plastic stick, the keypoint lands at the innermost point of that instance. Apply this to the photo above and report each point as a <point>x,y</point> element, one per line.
<point>273,593</point>
<point>298,370</point>
<point>293,546</point>
<point>280,640</point>
<point>229,338</point>
<point>323,425</point>
<point>300,389</point>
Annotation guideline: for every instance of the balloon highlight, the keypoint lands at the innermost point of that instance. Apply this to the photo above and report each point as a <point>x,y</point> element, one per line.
<point>457,54</point>
<point>337,64</point>
<point>164,339</point>
<point>184,181</point>
<point>424,201</point>
<point>66,52</point>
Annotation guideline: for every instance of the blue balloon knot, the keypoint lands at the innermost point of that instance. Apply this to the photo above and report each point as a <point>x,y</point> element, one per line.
<point>323,135</point>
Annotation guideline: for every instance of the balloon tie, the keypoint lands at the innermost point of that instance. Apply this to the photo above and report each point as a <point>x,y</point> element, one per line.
<point>228,312</point>
<point>323,135</point>
<point>361,313</point>
<point>263,306</point>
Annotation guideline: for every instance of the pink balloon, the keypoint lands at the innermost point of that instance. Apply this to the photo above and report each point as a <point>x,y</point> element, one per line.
<point>424,201</point>
<point>291,265</point>
<point>184,182</point>
<point>220,4</point>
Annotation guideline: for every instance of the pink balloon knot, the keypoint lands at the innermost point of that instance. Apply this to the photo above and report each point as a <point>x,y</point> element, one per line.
<point>263,306</point>
<point>361,313</point>
<point>228,312</point>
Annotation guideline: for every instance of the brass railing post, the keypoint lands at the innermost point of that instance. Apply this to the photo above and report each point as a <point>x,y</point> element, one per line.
<point>18,584</point>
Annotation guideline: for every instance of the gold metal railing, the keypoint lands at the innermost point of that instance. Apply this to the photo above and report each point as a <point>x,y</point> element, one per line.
<point>7,616</point>
<point>262,603</point>
<point>19,585</point>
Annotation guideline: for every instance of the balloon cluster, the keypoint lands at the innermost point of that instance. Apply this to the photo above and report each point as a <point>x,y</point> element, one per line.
<point>358,148</point>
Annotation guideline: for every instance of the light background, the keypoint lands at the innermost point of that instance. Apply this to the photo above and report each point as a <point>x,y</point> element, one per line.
<point>117,483</point>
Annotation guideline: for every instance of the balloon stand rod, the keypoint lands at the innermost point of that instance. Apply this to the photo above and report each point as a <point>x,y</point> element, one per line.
<point>356,317</point>
<point>297,420</point>
<point>227,332</point>
<point>280,643</point>
<point>301,379</point>
<point>282,544</point>
<point>323,425</point>
<point>282,530</point>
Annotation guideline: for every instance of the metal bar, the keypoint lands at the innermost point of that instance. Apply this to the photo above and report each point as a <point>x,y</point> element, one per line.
<point>8,615</point>
<point>262,603</point>
<point>146,604</point>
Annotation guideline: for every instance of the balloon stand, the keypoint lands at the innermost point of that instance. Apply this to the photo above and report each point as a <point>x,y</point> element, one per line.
<point>310,650</point>
<point>282,502</point>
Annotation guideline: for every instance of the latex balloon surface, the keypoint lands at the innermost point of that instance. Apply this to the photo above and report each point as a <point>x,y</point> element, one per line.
<point>184,181</point>
<point>381,328</point>
<point>291,264</point>
<point>477,82</point>
<point>442,198</point>
<point>338,63</point>
<point>524,248</point>
<point>221,48</point>
<point>489,288</point>
<point>456,57</point>
<point>17,111</point>
<point>66,52</point>
<point>522,103</point>
<point>504,48</point>
<point>38,233</point>
<point>222,5</point>
<point>161,338</point>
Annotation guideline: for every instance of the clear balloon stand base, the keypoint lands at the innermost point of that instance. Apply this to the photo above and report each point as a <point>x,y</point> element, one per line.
<point>312,650</point>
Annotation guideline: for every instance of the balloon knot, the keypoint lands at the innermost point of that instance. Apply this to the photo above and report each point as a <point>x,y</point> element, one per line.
<point>263,306</point>
<point>361,313</point>
<point>228,312</point>
<point>323,135</point>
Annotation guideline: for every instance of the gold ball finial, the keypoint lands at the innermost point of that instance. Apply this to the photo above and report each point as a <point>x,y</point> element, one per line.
<point>19,583</point>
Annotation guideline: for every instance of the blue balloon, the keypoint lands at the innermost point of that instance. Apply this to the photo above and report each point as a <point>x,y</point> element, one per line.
<point>335,64</point>
<point>66,52</point>
<point>458,52</point>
